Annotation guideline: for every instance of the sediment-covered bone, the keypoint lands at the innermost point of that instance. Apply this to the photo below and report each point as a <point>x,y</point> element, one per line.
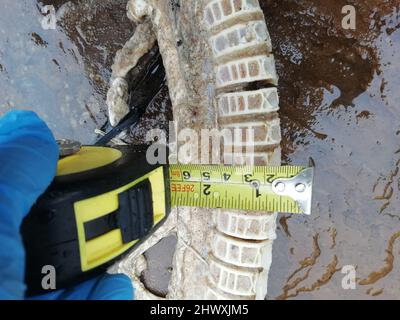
<point>126,59</point>
<point>221,75</point>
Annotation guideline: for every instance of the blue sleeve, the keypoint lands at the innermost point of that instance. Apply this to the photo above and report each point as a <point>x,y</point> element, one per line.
<point>28,162</point>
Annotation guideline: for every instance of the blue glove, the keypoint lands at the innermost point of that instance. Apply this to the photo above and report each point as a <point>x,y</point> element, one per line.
<point>105,287</point>
<point>28,162</point>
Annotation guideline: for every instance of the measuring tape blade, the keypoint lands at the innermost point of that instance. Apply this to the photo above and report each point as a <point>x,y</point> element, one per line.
<point>286,189</point>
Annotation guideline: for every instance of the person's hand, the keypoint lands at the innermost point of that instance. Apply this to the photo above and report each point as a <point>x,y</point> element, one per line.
<point>28,162</point>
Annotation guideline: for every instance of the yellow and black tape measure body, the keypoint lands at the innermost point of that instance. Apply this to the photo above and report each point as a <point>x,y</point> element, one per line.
<point>102,202</point>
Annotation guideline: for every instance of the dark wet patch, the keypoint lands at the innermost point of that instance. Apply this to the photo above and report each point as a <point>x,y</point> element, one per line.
<point>38,40</point>
<point>314,53</point>
<point>99,29</point>
<point>283,221</point>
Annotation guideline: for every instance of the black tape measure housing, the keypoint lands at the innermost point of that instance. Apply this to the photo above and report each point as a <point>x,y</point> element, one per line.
<point>50,230</point>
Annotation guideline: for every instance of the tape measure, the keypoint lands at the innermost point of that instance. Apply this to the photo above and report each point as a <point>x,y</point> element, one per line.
<point>286,189</point>
<point>106,201</point>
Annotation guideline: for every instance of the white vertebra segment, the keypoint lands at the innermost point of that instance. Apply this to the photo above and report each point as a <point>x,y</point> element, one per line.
<point>247,70</point>
<point>254,254</point>
<point>265,133</point>
<point>240,37</point>
<point>248,102</point>
<point>220,11</point>
<point>246,225</point>
<point>232,280</point>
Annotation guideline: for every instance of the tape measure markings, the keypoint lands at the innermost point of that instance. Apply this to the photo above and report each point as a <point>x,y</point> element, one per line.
<point>239,187</point>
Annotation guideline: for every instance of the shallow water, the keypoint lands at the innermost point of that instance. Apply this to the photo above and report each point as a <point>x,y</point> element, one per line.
<point>61,74</point>
<point>339,105</point>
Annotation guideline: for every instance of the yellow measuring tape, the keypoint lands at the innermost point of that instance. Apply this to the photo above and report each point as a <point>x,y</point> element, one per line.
<point>270,189</point>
